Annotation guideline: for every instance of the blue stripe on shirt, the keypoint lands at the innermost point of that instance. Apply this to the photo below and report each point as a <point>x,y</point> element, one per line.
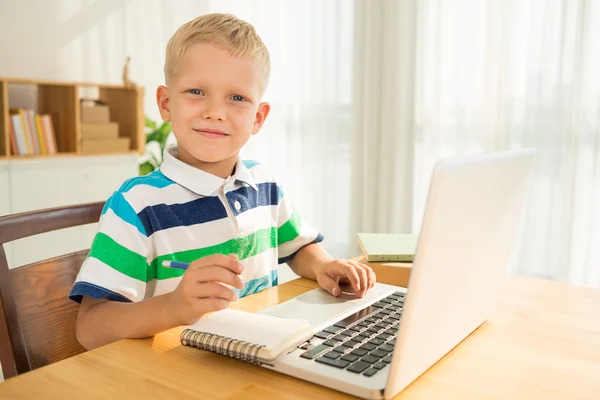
<point>268,195</point>
<point>163,216</point>
<point>123,210</point>
<point>81,289</point>
<point>259,284</point>
<point>250,163</point>
<point>155,179</point>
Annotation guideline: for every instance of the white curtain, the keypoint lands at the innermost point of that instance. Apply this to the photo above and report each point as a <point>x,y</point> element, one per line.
<point>496,75</point>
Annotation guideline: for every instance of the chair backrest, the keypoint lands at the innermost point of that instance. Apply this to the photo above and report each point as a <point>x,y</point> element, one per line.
<point>37,321</point>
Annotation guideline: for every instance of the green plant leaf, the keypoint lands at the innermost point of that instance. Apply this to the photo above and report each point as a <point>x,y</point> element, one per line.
<point>149,123</point>
<point>146,168</point>
<point>165,129</point>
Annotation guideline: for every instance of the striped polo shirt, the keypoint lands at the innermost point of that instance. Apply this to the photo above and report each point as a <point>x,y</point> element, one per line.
<point>182,213</point>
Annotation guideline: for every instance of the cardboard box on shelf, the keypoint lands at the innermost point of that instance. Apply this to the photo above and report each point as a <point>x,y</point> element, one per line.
<point>100,131</point>
<point>94,112</point>
<point>99,146</point>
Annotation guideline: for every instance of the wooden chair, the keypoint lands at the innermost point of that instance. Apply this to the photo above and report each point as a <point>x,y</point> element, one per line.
<point>37,321</point>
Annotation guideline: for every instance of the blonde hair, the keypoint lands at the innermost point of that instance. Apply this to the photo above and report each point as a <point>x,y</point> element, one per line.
<point>223,30</point>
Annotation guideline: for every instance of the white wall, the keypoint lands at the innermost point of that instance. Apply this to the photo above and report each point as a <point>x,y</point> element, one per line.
<point>88,40</point>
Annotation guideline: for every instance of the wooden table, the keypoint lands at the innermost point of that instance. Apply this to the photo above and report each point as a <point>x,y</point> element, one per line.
<point>543,342</point>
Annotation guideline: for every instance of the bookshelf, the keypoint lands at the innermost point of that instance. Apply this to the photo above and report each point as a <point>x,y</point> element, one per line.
<point>62,101</point>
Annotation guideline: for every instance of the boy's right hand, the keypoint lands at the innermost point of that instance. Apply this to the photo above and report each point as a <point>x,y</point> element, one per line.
<point>201,291</point>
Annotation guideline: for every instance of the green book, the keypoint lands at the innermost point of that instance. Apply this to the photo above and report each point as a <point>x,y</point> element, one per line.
<point>400,247</point>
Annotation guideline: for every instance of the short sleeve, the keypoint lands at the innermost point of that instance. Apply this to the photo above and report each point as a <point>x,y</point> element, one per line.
<point>293,233</point>
<point>116,267</point>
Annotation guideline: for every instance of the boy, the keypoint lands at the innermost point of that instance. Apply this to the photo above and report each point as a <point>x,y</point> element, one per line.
<point>202,204</point>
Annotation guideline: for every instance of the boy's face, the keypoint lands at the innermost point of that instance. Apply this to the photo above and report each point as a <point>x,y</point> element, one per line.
<point>213,103</point>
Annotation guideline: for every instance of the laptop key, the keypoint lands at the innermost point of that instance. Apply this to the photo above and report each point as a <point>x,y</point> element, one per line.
<point>376,341</point>
<point>350,357</point>
<point>345,348</point>
<point>349,320</point>
<point>379,304</point>
<point>333,355</point>
<point>379,365</point>
<point>339,337</point>
<point>364,324</point>
<point>333,363</point>
<point>370,359</point>
<point>392,342</point>
<point>358,367</point>
<point>315,351</point>
<point>359,352</point>
<point>387,359</point>
<point>331,342</point>
<point>323,335</point>
<point>368,346</point>
<point>386,347</point>
<point>363,336</point>
<point>384,336</point>
<point>387,301</point>
<point>356,328</point>
<point>339,349</point>
<point>379,353</point>
<point>332,329</point>
<point>351,343</point>
<point>347,332</point>
<point>370,372</point>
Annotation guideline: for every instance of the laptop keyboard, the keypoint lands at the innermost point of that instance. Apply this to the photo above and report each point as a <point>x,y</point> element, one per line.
<point>363,342</point>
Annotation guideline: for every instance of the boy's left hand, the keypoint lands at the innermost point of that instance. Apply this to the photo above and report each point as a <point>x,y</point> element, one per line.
<point>360,276</point>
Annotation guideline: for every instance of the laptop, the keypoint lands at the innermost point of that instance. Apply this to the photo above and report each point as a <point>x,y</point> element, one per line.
<point>374,347</point>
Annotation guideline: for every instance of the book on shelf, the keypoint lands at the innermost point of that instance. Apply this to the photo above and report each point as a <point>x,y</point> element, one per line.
<point>31,134</point>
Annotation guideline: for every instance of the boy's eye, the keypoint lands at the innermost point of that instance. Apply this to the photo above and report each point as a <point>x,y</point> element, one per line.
<point>237,97</point>
<point>195,91</point>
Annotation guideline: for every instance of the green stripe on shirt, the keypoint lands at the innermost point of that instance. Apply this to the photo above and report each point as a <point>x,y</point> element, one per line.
<point>290,230</point>
<point>245,247</point>
<point>111,253</point>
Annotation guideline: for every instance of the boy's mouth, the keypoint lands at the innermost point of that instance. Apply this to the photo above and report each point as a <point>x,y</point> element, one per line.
<point>211,133</point>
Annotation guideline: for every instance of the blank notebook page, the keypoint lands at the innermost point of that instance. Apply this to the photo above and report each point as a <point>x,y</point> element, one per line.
<point>277,334</point>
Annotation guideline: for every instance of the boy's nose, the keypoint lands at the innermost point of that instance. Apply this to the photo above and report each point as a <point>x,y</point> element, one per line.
<point>214,111</point>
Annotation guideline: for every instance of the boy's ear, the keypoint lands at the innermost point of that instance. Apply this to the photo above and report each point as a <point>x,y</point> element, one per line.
<point>162,99</point>
<point>261,116</point>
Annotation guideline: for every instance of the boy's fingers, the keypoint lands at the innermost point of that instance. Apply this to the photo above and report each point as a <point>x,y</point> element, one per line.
<point>348,271</point>
<point>230,262</point>
<point>217,274</point>
<point>364,277</point>
<point>216,290</point>
<point>330,284</point>
<point>370,275</point>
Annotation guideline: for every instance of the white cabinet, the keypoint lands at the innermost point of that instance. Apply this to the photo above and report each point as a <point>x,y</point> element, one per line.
<point>35,184</point>
<point>5,204</point>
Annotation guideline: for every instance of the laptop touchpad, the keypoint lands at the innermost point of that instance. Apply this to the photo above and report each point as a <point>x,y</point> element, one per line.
<point>317,306</point>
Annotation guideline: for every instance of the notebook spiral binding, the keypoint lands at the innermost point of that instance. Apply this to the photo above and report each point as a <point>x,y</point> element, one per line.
<point>229,347</point>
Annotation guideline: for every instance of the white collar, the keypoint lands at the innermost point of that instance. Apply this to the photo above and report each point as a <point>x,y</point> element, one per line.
<point>197,180</point>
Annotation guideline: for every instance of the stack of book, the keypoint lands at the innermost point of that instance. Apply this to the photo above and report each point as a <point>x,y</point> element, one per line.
<point>30,133</point>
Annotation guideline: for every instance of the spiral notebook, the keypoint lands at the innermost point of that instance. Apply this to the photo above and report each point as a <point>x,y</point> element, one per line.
<point>249,337</point>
